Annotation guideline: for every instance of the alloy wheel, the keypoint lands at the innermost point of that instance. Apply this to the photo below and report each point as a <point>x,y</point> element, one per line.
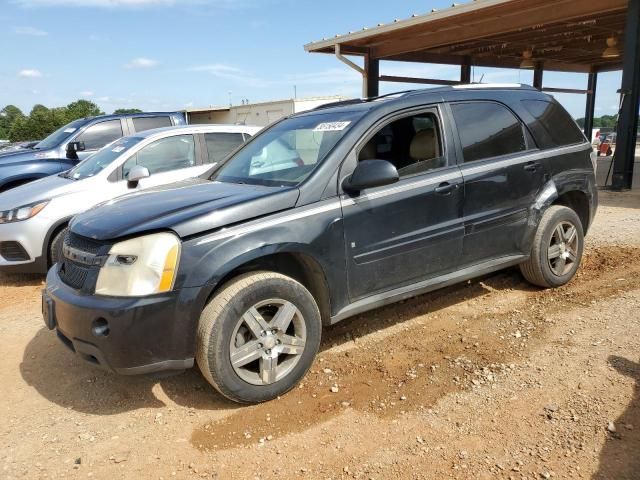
<point>267,342</point>
<point>563,248</point>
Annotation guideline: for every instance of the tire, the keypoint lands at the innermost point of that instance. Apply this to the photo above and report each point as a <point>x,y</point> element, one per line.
<point>223,331</point>
<point>55,247</point>
<point>551,245</point>
<point>609,152</point>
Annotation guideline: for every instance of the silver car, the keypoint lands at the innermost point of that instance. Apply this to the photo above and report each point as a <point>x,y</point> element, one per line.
<point>33,217</point>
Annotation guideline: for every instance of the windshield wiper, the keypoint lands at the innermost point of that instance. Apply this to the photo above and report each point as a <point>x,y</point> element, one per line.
<point>67,175</point>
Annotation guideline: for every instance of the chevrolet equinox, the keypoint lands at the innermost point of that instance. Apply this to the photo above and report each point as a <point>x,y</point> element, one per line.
<point>324,215</point>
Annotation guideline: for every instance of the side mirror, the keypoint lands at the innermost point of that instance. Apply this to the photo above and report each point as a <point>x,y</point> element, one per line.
<point>369,174</point>
<point>136,174</point>
<point>73,148</point>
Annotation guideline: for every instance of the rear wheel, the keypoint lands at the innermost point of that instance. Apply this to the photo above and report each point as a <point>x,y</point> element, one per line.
<point>258,337</point>
<point>557,248</point>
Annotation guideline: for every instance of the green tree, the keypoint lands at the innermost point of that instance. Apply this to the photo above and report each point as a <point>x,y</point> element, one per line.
<point>124,111</point>
<point>82,109</point>
<point>8,115</point>
<point>41,122</point>
<point>605,121</point>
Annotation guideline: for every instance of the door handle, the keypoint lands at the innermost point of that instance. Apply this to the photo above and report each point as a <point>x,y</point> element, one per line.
<point>445,188</point>
<point>531,166</point>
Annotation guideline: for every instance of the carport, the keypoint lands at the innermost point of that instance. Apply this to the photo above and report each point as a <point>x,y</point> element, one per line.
<point>586,36</point>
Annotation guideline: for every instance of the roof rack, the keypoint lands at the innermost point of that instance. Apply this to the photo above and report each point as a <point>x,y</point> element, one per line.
<point>470,86</point>
<point>357,101</point>
<point>418,91</point>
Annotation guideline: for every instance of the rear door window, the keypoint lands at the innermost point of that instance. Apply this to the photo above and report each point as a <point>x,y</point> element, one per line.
<point>221,144</point>
<point>164,155</point>
<point>487,130</point>
<point>99,134</point>
<point>147,123</point>
<point>552,125</point>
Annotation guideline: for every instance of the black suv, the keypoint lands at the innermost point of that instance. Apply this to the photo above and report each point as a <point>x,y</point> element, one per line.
<point>324,215</point>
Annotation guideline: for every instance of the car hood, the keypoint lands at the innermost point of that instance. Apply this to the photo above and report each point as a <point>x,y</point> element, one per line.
<point>188,208</point>
<point>44,189</point>
<point>26,155</point>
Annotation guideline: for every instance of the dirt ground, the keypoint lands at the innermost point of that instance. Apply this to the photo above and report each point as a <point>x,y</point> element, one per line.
<point>487,379</point>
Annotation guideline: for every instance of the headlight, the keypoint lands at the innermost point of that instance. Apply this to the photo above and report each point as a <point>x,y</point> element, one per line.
<point>140,266</point>
<point>22,213</point>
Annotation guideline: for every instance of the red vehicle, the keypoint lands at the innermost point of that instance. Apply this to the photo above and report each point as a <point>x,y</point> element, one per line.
<point>607,145</point>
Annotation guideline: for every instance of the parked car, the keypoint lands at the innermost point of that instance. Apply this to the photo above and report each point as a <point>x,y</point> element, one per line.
<point>238,270</point>
<point>34,217</point>
<point>607,145</point>
<point>74,142</point>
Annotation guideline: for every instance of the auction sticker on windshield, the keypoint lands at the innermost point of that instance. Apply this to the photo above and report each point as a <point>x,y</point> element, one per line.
<point>332,126</point>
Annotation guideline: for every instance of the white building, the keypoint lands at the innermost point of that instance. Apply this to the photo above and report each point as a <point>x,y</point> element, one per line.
<point>259,114</point>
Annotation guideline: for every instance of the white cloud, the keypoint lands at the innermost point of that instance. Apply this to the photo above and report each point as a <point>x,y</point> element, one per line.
<point>142,63</point>
<point>30,73</point>
<point>330,76</point>
<point>127,3</point>
<point>229,72</point>
<point>86,93</point>
<point>217,69</point>
<point>32,31</point>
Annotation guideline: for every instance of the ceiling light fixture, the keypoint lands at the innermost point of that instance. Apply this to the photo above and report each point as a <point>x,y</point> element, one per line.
<point>527,61</point>
<point>612,48</point>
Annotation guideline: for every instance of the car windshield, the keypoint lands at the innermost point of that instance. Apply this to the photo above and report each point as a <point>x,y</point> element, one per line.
<point>286,154</point>
<point>60,135</point>
<point>102,158</point>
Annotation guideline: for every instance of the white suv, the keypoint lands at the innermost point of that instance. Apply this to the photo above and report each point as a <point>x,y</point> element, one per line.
<point>33,217</point>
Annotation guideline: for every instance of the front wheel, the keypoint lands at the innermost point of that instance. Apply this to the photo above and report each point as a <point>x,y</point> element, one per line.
<point>557,248</point>
<point>55,247</point>
<point>258,336</point>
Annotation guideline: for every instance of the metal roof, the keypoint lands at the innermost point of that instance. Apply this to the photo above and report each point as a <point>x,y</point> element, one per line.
<point>567,35</point>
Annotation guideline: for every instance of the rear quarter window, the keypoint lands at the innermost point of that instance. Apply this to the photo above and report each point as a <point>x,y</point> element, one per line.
<point>147,123</point>
<point>552,126</point>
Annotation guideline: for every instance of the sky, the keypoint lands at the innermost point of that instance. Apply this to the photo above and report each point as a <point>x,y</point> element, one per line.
<point>177,54</point>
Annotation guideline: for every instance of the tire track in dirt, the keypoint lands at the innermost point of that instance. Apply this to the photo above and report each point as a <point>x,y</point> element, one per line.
<point>458,338</point>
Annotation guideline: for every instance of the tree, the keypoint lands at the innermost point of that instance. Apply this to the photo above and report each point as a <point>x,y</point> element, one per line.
<point>605,121</point>
<point>124,111</point>
<point>82,109</point>
<point>41,122</point>
<point>8,115</point>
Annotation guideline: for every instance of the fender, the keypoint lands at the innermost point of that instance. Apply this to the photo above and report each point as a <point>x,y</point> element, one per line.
<point>321,240</point>
<point>572,181</point>
<point>23,172</point>
<point>21,179</point>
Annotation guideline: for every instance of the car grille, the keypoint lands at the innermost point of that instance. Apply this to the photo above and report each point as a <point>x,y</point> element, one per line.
<point>73,274</point>
<point>13,252</point>
<point>81,275</point>
<point>85,244</point>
